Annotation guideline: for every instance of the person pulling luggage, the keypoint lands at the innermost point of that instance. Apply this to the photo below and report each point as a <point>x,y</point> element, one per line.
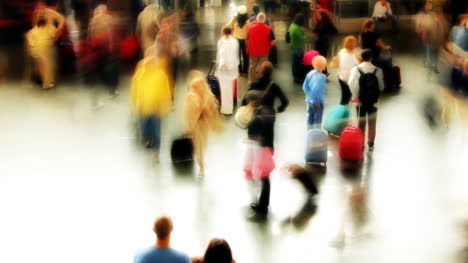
<point>366,83</point>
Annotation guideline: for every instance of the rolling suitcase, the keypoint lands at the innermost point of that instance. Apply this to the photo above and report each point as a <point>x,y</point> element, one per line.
<point>317,146</point>
<point>214,82</point>
<point>336,120</point>
<point>352,142</point>
<point>182,150</point>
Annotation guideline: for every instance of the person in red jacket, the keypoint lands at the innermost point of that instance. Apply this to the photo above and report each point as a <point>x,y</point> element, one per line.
<point>260,40</point>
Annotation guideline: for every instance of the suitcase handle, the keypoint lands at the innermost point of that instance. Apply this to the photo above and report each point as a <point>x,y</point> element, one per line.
<point>211,68</point>
<point>358,115</point>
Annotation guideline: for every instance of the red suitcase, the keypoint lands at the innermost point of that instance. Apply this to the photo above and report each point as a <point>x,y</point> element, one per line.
<point>352,141</point>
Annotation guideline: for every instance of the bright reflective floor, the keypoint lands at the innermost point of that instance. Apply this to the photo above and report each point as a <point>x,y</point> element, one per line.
<point>75,187</point>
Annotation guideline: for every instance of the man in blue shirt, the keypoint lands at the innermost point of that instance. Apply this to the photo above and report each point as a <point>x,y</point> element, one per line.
<point>314,88</point>
<point>162,253</point>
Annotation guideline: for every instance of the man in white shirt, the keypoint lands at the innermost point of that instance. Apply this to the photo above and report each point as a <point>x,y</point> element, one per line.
<point>368,111</point>
<point>382,13</point>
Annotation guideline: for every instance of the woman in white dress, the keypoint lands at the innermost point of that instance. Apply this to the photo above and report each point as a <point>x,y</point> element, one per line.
<point>346,59</point>
<point>227,69</point>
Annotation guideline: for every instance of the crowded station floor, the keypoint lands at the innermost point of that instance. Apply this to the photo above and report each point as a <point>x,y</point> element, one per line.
<point>76,185</point>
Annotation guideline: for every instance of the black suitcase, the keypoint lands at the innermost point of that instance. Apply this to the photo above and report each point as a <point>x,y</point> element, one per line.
<point>214,82</point>
<point>182,150</point>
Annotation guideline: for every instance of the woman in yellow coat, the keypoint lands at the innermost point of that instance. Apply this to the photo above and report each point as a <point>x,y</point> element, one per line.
<point>201,114</point>
<point>151,98</point>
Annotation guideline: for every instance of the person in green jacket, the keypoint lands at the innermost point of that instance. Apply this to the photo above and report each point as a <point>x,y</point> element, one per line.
<point>297,42</point>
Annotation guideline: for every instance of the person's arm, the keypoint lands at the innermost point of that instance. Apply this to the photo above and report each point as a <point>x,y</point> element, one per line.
<point>353,83</point>
<point>320,95</point>
<point>382,45</point>
<point>282,97</point>
<point>380,78</point>
<point>272,38</point>
<point>191,112</point>
<point>389,9</point>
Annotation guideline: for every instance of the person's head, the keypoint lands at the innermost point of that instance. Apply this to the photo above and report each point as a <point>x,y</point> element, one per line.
<point>254,98</point>
<point>349,43</point>
<point>218,251</point>
<point>367,55</point>
<point>242,10</point>
<point>227,31</point>
<point>162,228</point>
<point>324,18</point>
<point>41,21</point>
<point>100,9</point>
<point>256,9</point>
<point>428,6</point>
<point>383,1</point>
<point>261,18</point>
<point>299,19</point>
<point>463,20</point>
<point>368,25</point>
<point>266,69</point>
<point>319,63</point>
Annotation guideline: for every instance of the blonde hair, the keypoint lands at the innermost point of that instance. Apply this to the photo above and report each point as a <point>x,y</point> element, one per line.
<point>349,43</point>
<point>319,63</point>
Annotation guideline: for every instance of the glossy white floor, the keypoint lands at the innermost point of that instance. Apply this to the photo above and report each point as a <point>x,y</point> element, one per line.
<point>75,187</point>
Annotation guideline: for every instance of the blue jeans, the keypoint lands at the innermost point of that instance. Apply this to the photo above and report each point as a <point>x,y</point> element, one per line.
<point>392,19</point>
<point>314,116</point>
<point>432,56</point>
<point>296,64</point>
<point>151,131</point>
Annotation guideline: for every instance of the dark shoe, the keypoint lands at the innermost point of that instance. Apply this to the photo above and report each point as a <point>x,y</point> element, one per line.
<point>371,146</point>
<point>257,217</point>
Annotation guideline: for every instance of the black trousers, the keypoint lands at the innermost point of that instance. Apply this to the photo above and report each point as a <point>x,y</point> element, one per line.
<point>345,92</point>
<point>264,199</point>
<point>243,57</point>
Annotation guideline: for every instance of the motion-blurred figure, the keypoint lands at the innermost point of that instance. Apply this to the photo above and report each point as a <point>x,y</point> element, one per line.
<point>240,27</point>
<point>431,29</point>
<point>227,68</point>
<point>105,67</point>
<point>201,115</point>
<point>40,43</point>
<point>148,25</point>
<point>151,96</point>
<point>459,34</point>
<point>49,14</point>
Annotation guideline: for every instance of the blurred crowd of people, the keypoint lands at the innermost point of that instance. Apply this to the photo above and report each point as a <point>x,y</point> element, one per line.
<point>158,37</point>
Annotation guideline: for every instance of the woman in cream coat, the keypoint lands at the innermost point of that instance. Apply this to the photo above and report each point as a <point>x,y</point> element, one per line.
<point>200,115</point>
<point>227,69</point>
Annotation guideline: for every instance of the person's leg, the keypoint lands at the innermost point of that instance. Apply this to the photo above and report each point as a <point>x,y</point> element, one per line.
<point>264,199</point>
<point>310,116</point>
<point>243,57</point>
<point>372,125</point>
<point>345,92</point>
<point>252,68</point>
<point>318,113</point>
<point>394,22</point>
<point>435,58</point>
<point>362,122</point>
<point>296,64</point>
<point>227,102</point>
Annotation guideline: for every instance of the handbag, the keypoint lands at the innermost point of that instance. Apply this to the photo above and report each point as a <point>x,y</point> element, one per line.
<point>245,115</point>
<point>259,162</point>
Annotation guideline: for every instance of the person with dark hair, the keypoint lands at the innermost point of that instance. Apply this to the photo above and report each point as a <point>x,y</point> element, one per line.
<point>240,28</point>
<point>162,252</point>
<point>256,11</point>
<point>324,29</point>
<point>218,251</point>
<point>40,44</point>
<point>367,79</point>
<point>297,39</point>
<point>227,69</point>
<point>370,39</point>
<point>274,91</point>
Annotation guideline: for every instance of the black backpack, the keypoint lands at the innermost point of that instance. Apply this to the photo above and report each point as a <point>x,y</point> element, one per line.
<point>368,88</point>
